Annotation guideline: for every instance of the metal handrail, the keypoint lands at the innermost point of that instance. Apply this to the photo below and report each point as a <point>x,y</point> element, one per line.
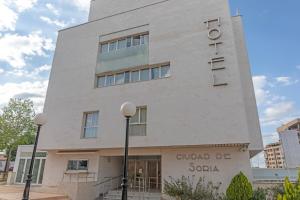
<point>109,179</point>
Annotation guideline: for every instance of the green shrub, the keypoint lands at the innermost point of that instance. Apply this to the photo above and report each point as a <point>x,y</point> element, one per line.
<point>240,188</point>
<point>291,191</point>
<point>259,194</point>
<point>184,189</point>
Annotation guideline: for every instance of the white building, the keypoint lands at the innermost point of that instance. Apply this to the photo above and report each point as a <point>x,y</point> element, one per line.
<point>183,63</point>
<point>289,135</point>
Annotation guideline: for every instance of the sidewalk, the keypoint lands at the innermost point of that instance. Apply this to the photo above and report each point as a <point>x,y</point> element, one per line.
<point>16,192</point>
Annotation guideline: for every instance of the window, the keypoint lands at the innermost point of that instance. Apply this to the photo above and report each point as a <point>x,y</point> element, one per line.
<point>104,48</point>
<point>144,75</point>
<point>144,39</point>
<point>138,122</point>
<point>165,71</point>
<point>128,43</point>
<point>127,77</point>
<point>125,43</point>
<point>112,46</point>
<point>110,80</point>
<point>77,165</point>
<point>135,76</point>
<point>120,78</point>
<point>101,81</point>
<point>155,73</point>
<point>122,44</point>
<point>90,125</point>
<point>136,40</point>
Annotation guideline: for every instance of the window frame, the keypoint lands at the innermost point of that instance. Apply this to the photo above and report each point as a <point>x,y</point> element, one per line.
<point>84,127</point>
<point>138,70</point>
<point>139,121</point>
<point>77,165</point>
<point>144,35</point>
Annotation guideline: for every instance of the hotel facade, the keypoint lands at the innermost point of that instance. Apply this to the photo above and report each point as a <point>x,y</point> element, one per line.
<point>183,64</point>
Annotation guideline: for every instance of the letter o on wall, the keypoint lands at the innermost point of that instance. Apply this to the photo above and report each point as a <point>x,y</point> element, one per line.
<point>214,33</point>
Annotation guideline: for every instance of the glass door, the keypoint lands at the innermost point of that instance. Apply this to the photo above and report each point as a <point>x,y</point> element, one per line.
<point>20,171</point>
<point>37,171</point>
<point>153,174</point>
<point>144,174</point>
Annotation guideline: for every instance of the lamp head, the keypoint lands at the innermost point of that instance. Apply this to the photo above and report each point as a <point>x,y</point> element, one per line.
<point>128,109</point>
<point>40,119</point>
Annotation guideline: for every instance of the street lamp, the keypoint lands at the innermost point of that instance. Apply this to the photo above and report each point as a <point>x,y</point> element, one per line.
<point>39,120</point>
<point>128,109</point>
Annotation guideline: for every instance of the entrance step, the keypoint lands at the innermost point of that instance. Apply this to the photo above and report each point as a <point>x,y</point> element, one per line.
<point>116,195</point>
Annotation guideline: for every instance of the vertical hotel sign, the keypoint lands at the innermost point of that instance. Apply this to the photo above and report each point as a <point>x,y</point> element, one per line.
<point>217,61</point>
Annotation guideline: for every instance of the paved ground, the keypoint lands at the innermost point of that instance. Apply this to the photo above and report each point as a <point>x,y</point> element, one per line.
<point>16,192</point>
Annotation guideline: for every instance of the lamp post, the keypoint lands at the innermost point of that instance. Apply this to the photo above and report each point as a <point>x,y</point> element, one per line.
<point>128,109</point>
<point>39,120</point>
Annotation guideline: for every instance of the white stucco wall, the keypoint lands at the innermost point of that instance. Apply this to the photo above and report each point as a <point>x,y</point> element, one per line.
<point>184,109</point>
<point>56,166</point>
<point>221,165</point>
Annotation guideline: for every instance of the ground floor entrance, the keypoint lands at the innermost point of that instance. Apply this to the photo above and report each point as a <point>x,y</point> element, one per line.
<point>144,173</point>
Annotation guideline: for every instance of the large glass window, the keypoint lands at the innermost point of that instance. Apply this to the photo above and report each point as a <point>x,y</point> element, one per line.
<point>135,76</point>
<point>144,39</point>
<point>101,81</point>
<point>165,71</point>
<point>113,46</point>
<point>155,73</point>
<point>136,40</point>
<point>129,40</point>
<point>77,165</point>
<point>122,44</point>
<point>110,80</point>
<point>138,122</point>
<point>120,78</point>
<point>144,74</point>
<point>104,48</point>
<point>127,77</point>
<point>90,126</point>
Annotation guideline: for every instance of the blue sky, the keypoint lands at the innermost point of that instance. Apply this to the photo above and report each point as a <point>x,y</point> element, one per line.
<point>28,30</point>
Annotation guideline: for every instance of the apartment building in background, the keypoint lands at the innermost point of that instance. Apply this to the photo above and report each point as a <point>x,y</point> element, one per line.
<point>274,156</point>
<point>289,135</point>
<point>184,64</point>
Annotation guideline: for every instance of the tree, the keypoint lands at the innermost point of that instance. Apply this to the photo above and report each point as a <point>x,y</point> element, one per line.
<point>240,188</point>
<point>16,126</point>
<point>291,191</point>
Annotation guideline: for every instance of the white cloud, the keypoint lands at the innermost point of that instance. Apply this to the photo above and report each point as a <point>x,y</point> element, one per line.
<point>55,22</point>
<point>52,9</point>
<point>15,49</point>
<point>285,80</point>
<point>34,74</point>
<point>23,5</point>
<point>36,91</point>
<point>1,71</point>
<point>277,111</point>
<point>261,93</point>
<point>8,17</point>
<point>10,10</point>
<point>82,4</point>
